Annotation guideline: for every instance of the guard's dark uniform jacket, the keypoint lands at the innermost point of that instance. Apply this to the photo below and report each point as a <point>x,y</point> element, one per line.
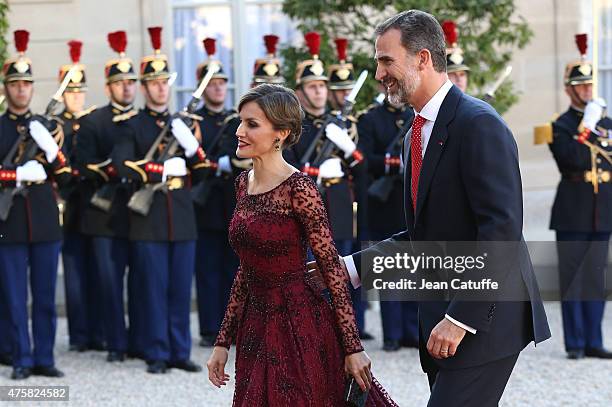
<point>171,217</point>
<point>71,193</point>
<point>338,193</point>
<point>378,127</point>
<point>577,208</point>
<point>97,136</point>
<point>34,215</point>
<point>217,212</point>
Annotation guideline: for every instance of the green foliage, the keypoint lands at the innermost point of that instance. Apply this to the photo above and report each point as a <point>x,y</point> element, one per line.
<point>489,31</point>
<point>4,24</point>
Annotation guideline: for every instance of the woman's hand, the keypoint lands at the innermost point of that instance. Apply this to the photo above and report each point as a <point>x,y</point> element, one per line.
<point>216,366</point>
<point>358,365</point>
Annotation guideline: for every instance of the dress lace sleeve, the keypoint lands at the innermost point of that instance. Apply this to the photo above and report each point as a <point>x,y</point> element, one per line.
<point>311,214</point>
<point>238,295</point>
<point>233,312</point>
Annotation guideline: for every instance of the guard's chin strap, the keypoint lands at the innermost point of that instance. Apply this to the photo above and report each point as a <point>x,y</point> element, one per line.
<point>338,102</point>
<point>310,104</point>
<point>584,102</point>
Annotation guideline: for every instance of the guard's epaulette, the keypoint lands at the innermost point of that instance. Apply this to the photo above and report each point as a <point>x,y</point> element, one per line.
<point>366,110</point>
<point>191,116</point>
<point>543,133</point>
<point>231,117</point>
<point>125,116</point>
<point>85,112</point>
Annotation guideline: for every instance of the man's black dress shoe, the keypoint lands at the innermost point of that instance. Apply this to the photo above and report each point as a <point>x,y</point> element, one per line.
<point>20,373</point>
<point>391,345</point>
<point>186,365</point>
<point>600,353</point>
<point>365,336</point>
<point>115,356</point>
<point>47,371</point>
<point>6,360</point>
<point>575,354</point>
<point>157,367</point>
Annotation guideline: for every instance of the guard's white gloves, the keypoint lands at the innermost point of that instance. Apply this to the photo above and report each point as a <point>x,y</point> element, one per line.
<point>174,167</point>
<point>593,113</point>
<point>185,137</point>
<point>44,140</point>
<point>32,171</point>
<point>330,168</point>
<point>224,165</point>
<point>340,138</point>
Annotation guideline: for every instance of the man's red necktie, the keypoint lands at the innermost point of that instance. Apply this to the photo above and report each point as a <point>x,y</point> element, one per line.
<point>416,157</point>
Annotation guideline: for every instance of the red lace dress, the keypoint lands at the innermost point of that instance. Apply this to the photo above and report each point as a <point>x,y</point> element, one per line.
<point>290,343</point>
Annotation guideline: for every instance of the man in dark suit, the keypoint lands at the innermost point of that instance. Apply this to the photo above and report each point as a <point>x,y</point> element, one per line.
<point>462,183</point>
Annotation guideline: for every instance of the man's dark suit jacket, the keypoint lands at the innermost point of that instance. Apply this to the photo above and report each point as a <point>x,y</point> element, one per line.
<point>470,190</point>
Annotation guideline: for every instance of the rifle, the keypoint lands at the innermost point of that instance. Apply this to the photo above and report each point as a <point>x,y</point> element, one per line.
<point>340,119</point>
<point>104,196</point>
<point>201,191</point>
<point>489,95</point>
<point>382,187</point>
<point>141,200</point>
<point>8,194</point>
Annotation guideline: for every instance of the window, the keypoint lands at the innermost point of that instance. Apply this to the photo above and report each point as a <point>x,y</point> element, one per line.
<point>604,63</point>
<point>238,26</point>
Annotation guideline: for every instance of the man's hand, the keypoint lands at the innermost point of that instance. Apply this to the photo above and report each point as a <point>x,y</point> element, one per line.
<point>444,339</point>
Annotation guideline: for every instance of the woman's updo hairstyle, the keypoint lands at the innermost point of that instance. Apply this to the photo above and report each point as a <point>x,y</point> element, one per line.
<point>281,107</point>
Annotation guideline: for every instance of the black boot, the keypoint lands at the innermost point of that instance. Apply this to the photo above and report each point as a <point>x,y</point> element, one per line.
<point>157,367</point>
<point>47,371</point>
<point>20,373</point>
<point>186,365</point>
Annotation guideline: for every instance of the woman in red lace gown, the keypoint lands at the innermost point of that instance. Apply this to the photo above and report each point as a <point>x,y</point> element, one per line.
<point>292,347</point>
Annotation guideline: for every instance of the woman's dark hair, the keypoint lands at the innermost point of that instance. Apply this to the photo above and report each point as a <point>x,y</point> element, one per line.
<point>281,107</point>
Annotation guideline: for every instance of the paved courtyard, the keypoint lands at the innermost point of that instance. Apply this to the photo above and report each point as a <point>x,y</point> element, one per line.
<point>542,377</point>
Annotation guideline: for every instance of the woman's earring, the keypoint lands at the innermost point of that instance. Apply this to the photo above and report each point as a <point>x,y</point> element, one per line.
<point>277,144</point>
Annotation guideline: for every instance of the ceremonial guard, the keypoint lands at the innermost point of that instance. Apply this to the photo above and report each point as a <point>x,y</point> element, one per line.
<point>381,133</point>
<point>455,66</point>
<point>156,154</point>
<point>582,210</point>
<point>325,150</point>
<point>105,194</point>
<point>341,81</point>
<point>5,340</point>
<point>268,68</point>
<point>311,90</point>
<point>214,197</point>
<point>80,277</point>
<point>30,233</point>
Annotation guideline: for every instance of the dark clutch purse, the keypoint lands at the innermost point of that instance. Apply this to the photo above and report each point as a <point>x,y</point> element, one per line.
<point>353,395</point>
